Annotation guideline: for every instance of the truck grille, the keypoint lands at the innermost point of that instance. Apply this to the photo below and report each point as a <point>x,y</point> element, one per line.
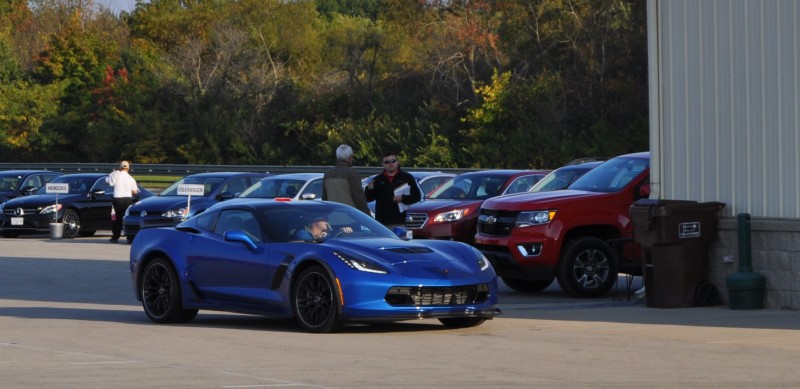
<point>497,223</point>
<point>416,220</point>
<point>437,296</point>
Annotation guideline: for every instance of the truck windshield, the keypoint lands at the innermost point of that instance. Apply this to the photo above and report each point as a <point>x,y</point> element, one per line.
<point>612,175</point>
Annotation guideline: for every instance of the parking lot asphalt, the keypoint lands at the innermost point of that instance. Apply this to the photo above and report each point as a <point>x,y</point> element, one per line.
<point>69,319</point>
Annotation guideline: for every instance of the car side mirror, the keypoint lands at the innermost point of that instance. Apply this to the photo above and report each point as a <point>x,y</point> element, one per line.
<point>225,196</point>
<point>241,237</point>
<point>27,190</point>
<point>403,233</point>
<point>98,192</point>
<point>644,191</point>
<point>308,196</point>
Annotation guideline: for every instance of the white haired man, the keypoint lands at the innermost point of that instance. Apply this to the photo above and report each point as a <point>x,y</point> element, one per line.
<point>342,183</point>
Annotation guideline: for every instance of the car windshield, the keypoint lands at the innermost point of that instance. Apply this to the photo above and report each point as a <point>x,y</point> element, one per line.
<point>612,175</point>
<point>9,182</point>
<point>287,224</point>
<point>210,184</point>
<point>470,187</point>
<point>77,185</point>
<point>559,179</point>
<point>271,188</point>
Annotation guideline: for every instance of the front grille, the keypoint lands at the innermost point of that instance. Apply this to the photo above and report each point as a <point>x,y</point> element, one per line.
<point>408,296</point>
<point>416,220</point>
<point>13,211</point>
<point>497,223</point>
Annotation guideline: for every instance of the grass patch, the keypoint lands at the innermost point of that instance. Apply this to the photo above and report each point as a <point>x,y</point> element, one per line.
<point>156,183</point>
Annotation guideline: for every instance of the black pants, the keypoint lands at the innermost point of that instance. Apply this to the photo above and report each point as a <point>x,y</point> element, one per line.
<point>120,205</point>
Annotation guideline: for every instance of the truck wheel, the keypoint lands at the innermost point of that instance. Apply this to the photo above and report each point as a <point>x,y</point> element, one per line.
<point>526,286</point>
<point>588,267</point>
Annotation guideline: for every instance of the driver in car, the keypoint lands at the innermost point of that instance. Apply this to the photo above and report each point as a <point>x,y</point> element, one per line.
<point>318,228</point>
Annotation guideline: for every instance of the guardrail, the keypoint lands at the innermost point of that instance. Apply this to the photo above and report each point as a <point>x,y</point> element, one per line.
<point>183,169</point>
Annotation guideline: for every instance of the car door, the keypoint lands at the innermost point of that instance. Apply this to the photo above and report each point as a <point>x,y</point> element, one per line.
<point>96,212</point>
<point>315,187</point>
<point>31,184</point>
<point>231,272</point>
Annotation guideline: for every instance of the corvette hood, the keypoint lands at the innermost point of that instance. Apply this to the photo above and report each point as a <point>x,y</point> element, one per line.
<point>446,260</point>
<point>441,205</point>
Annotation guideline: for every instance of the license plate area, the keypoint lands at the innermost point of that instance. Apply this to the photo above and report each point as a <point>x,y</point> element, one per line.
<point>17,221</point>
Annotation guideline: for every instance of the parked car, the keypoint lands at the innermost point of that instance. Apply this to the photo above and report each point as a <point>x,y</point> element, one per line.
<point>427,181</point>
<point>170,208</point>
<point>84,210</point>
<point>451,211</point>
<point>532,238</point>
<point>367,274</point>
<point>292,186</point>
<point>563,177</point>
<point>15,183</point>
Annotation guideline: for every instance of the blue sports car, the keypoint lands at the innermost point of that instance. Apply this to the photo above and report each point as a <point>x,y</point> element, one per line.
<point>322,263</point>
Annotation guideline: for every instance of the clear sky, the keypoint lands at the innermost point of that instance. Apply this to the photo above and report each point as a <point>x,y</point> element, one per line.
<point>118,5</point>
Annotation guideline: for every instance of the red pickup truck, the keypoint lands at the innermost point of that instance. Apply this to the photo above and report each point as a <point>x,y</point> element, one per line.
<point>532,238</point>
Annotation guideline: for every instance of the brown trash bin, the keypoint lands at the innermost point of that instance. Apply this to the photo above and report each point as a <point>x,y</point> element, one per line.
<point>675,236</point>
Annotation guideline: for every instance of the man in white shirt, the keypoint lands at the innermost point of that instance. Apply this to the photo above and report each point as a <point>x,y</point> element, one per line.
<point>124,189</point>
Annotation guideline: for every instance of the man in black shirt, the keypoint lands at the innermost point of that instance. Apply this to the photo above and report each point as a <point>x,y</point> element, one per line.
<point>393,191</point>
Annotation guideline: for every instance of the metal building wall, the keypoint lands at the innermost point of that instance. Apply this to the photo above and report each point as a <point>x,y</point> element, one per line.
<point>725,103</point>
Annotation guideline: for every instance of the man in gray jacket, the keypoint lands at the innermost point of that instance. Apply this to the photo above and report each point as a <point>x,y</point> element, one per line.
<point>342,184</point>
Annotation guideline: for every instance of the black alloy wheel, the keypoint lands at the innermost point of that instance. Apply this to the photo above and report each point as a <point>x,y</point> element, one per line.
<point>588,267</point>
<point>161,294</point>
<point>72,223</point>
<point>314,301</point>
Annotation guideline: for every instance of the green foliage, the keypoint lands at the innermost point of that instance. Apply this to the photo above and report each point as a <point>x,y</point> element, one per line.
<point>24,107</point>
<point>476,83</point>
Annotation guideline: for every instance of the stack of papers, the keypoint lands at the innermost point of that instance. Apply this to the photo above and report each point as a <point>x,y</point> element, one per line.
<point>400,191</point>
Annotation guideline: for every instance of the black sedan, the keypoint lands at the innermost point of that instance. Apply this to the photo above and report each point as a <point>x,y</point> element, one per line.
<point>15,183</point>
<point>84,210</point>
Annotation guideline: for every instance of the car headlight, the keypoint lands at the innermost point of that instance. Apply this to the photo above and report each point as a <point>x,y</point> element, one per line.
<point>483,262</point>
<point>534,218</point>
<point>51,209</point>
<point>451,216</point>
<point>360,264</point>
<point>176,213</point>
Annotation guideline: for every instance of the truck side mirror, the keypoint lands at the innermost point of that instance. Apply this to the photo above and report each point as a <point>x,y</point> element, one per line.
<point>644,191</point>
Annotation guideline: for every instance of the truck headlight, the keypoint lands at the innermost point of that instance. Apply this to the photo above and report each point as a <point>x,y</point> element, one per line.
<point>534,218</point>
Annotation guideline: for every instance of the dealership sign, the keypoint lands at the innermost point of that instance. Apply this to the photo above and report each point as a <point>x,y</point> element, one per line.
<point>57,187</point>
<point>191,190</point>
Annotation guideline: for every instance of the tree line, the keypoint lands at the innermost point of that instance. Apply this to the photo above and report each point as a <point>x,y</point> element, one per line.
<point>444,83</point>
